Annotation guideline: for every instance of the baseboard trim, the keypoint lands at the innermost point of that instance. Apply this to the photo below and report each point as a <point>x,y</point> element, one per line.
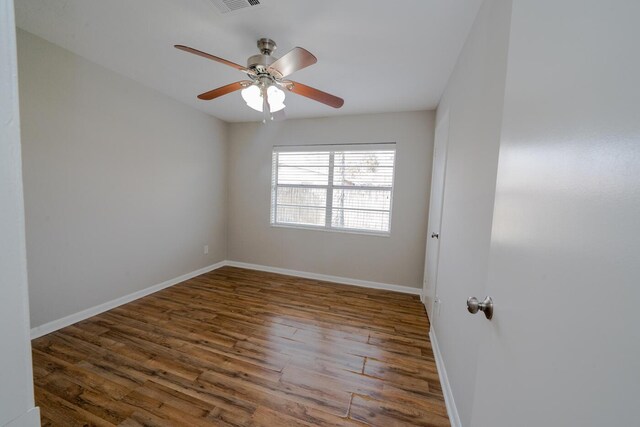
<point>31,418</point>
<point>54,325</point>
<point>328,278</point>
<point>454,417</point>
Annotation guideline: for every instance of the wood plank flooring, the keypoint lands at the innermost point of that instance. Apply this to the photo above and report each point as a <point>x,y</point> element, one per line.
<point>237,347</point>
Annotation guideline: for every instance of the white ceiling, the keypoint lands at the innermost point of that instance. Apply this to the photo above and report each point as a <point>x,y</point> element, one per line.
<point>380,56</point>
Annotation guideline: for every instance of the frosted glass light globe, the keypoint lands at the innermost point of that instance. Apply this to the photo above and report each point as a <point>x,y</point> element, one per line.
<point>252,95</point>
<point>275,96</point>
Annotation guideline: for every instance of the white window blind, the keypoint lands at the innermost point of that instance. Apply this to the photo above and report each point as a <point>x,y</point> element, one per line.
<point>337,187</point>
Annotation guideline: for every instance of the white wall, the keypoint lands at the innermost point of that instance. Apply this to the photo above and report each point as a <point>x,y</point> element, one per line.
<point>474,99</point>
<point>398,259</point>
<point>16,378</point>
<point>123,186</point>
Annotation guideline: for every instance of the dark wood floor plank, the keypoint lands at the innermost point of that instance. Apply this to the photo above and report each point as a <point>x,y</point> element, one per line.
<point>63,413</point>
<point>100,404</point>
<point>390,414</point>
<point>265,417</point>
<point>236,347</point>
<point>78,375</point>
<point>166,410</point>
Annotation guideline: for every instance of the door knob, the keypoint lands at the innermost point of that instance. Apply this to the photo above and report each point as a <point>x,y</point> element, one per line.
<point>435,235</point>
<point>486,306</point>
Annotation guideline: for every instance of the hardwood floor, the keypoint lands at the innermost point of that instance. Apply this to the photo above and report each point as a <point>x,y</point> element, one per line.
<point>237,347</point>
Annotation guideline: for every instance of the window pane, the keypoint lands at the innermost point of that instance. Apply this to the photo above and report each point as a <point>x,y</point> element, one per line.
<point>363,168</point>
<point>360,220</point>
<point>302,196</point>
<point>300,215</point>
<point>366,158</point>
<point>312,158</point>
<point>355,176</point>
<point>299,175</point>
<point>362,199</point>
<point>300,185</point>
<point>303,168</point>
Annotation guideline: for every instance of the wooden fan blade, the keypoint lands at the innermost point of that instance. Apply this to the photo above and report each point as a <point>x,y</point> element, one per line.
<point>294,60</point>
<point>215,93</point>
<point>315,94</point>
<point>209,56</point>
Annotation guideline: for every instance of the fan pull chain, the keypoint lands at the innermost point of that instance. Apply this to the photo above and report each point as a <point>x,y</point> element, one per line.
<point>266,109</point>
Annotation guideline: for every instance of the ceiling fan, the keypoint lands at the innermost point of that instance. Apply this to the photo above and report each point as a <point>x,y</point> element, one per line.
<point>264,90</point>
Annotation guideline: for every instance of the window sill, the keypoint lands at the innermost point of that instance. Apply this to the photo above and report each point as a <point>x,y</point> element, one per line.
<point>333,230</point>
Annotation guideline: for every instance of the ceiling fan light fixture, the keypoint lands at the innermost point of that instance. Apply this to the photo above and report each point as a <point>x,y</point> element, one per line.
<point>275,96</point>
<point>252,95</point>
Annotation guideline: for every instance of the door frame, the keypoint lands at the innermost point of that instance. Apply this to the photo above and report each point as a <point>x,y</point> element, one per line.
<point>427,288</point>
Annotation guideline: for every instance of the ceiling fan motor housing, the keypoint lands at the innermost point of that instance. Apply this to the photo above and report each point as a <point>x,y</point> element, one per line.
<point>266,46</point>
<point>260,62</point>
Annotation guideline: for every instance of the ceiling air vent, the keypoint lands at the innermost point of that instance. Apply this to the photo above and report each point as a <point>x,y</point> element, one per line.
<point>226,6</point>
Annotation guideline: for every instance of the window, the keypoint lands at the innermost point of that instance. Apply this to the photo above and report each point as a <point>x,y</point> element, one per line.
<point>335,187</point>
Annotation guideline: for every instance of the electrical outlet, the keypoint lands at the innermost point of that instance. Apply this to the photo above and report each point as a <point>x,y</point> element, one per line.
<point>206,249</point>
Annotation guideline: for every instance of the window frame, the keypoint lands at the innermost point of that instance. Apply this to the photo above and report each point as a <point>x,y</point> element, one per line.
<point>332,149</point>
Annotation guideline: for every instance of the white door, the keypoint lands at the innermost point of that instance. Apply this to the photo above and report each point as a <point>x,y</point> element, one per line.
<point>563,348</point>
<point>430,288</point>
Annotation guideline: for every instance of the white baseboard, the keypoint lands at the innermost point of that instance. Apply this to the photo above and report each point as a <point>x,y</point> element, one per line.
<point>53,326</point>
<point>454,417</point>
<point>328,278</point>
<point>31,418</point>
